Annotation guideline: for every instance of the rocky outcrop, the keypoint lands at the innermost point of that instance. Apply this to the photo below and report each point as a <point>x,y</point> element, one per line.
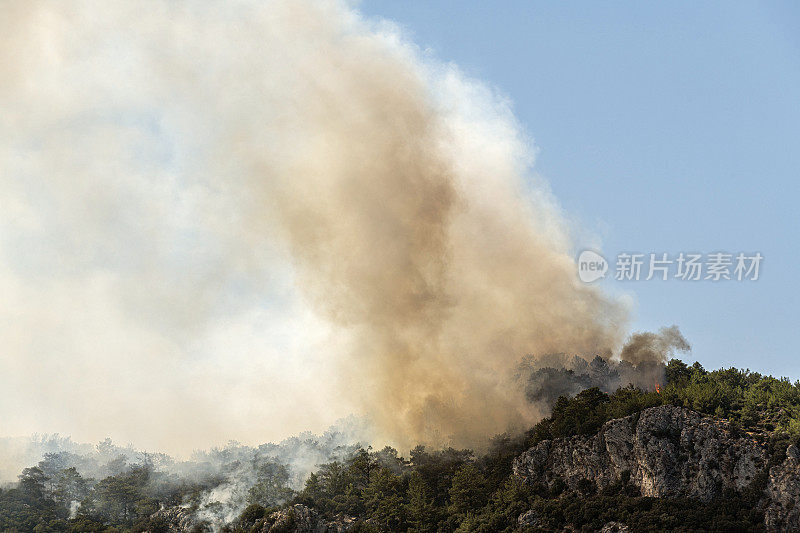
<point>615,527</point>
<point>296,519</point>
<point>301,519</point>
<point>782,511</point>
<point>173,519</point>
<point>667,452</point>
<point>528,519</point>
<point>341,524</point>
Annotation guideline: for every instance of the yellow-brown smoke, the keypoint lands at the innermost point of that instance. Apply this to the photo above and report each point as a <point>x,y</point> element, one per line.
<point>400,192</point>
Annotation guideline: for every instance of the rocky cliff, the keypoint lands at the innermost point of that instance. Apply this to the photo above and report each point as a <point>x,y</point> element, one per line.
<point>669,452</point>
<point>782,494</point>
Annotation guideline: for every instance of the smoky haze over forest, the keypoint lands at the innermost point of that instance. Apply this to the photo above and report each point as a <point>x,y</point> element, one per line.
<point>247,220</point>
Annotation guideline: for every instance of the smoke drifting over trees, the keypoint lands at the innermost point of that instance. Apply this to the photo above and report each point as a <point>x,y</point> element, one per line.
<point>654,347</point>
<point>244,212</point>
<point>642,365</point>
<point>217,483</point>
<point>191,172</point>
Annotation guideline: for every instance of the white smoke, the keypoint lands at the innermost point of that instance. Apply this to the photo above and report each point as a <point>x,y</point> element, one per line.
<point>227,473</point>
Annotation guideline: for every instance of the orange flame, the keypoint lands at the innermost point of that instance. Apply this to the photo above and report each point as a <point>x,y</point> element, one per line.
<point>658,388</point>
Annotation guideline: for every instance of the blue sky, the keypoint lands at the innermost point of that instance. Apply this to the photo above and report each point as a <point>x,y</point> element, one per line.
<point>661,127</point>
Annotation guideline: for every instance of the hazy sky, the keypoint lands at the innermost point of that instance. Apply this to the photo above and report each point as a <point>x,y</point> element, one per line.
<point>662,127</point>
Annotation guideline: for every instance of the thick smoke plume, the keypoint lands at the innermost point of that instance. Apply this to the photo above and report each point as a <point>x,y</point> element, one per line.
<point>209,209</point>
<point>649,347</point>
<point>641,364</point>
